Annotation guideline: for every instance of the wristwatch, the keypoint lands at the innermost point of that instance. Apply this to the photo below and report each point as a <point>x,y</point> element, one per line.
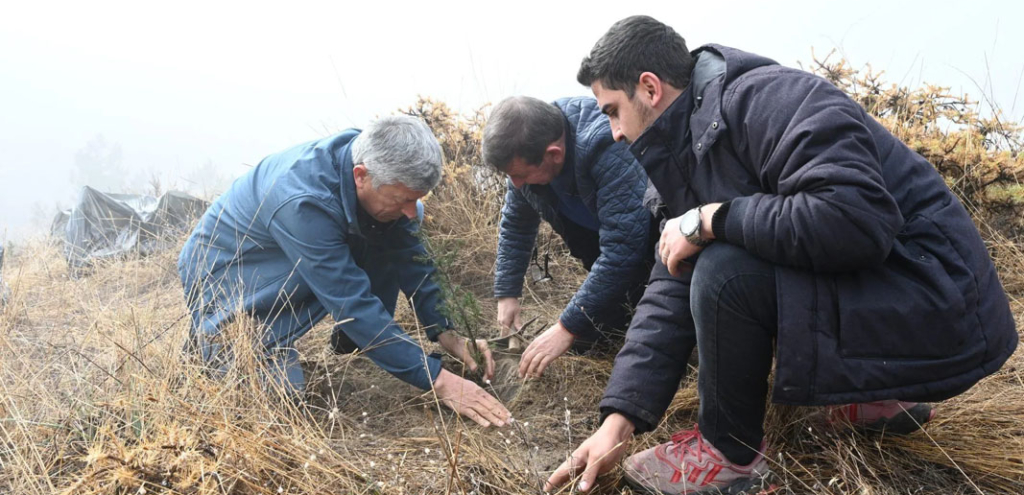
<point>690,227</point>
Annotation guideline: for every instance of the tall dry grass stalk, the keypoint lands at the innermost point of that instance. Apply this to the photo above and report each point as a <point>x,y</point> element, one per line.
<point>96,398</point>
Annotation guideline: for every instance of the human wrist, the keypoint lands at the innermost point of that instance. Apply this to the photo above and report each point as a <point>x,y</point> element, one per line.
<point>434,331</point>
<point>450,340</point>
<point>707,215</point>
<point>565,330</point>
<point>693,228</point>
<point>443,380</point>
<point>619,425</point>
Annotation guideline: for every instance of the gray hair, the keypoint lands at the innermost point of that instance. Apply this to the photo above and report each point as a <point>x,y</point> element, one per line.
<point>399,149</point>
<point>521,126</point>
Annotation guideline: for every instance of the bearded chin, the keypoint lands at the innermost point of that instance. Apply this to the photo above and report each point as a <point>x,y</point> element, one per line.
<point>644,114</point>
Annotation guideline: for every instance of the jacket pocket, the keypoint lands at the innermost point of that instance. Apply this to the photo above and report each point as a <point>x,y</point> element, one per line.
<point>909,307</point>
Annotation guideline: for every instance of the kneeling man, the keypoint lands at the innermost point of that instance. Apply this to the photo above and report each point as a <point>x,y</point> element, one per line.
<point>802,230</point>
<point>564,167</point>
<point>329,227</point>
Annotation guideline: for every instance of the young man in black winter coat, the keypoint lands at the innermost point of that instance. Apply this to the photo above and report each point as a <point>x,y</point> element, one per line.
<point>798,227</point>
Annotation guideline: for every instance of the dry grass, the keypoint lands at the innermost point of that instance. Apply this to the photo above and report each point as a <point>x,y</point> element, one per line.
<point>96,399</point>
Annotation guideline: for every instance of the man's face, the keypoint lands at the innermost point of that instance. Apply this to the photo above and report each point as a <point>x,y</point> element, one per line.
<point>386,203</point>
<point>522,173</point>
<point>629,117</point>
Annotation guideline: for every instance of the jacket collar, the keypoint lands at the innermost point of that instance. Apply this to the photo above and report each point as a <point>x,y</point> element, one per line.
<point>570,158</point>
<point>668,127</point>
<point>349,199</point>
<point>695,117</point>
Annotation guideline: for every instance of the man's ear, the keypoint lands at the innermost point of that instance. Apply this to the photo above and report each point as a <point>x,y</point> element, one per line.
<point>650,88</point>
<point>361,174</point>
<point>556,152</point>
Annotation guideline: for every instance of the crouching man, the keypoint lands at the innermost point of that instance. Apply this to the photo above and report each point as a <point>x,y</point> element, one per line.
<point>803,230</point>
<point>329,227</point>
<point>564,167</point>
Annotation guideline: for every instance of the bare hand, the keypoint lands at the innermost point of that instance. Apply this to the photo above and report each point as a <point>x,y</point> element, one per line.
<point>547,347</point>
<point>469,400</point>
<point>596,455</point>
<point>458,346</point>
<point>674,249</point>
<point>509,320</point>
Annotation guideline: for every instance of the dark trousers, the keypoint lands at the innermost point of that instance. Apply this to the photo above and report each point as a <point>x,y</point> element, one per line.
<point>585,245</point>
<point>735,310</point>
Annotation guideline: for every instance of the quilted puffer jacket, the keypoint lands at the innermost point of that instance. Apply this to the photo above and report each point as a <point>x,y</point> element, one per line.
<point>611,183</point>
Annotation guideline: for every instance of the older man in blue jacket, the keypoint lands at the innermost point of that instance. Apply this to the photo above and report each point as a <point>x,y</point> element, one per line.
<point>329,227</point>
<point>564,167</point>
<point>822,240</point>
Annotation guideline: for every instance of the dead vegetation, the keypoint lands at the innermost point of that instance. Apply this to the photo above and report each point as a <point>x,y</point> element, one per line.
<point>95,397</point>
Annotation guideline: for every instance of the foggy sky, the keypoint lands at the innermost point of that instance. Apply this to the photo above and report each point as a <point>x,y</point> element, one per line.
<point>179,85</point>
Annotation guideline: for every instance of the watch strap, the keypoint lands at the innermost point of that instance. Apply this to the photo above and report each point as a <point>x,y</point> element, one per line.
<point>695,237</point>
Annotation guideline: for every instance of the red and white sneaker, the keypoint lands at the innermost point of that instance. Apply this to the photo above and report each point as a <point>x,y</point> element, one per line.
<point>890,416</point>
<point>689,465</point>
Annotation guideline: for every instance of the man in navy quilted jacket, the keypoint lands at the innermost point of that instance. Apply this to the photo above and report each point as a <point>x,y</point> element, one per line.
<point>564,167</point>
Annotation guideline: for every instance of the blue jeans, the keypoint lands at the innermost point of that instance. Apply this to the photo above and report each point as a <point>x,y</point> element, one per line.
<point>293,315</point>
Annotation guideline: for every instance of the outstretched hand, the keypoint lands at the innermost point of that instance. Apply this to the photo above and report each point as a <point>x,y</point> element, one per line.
<point>544,349</point>
<point>468,399</point>
<point>461,349</point>
<point>510,320</point>
<point>596,455</point>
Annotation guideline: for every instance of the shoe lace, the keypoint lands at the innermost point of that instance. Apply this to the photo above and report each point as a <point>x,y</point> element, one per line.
<point>690,442</point>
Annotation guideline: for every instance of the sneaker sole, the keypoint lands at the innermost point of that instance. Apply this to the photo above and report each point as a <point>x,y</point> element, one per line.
<point>749,486</point>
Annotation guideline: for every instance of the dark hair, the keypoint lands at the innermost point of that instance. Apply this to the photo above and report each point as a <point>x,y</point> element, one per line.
<point>521,126</point>
<point>633,46</point>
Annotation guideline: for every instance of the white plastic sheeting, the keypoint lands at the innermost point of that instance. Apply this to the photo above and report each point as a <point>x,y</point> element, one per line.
<point>104,226</point>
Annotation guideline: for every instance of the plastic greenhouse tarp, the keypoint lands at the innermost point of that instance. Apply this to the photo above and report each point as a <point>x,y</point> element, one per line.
<point>104,226</point>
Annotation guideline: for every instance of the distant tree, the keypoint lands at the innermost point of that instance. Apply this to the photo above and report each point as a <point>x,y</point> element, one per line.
<point>156,184</point>
<point>98,165</point>
<point>42,213</point>
<point>206,181</point>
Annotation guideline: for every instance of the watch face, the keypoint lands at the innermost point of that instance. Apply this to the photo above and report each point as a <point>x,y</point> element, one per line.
<point>690,222</point>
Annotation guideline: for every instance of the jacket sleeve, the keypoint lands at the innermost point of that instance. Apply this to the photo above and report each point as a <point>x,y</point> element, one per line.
<point>624,228</point>
<point>828,209</point>
<point>313,238</point>
<point>517,233</point>
<point>416,279</point>
<point>654,357</point>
